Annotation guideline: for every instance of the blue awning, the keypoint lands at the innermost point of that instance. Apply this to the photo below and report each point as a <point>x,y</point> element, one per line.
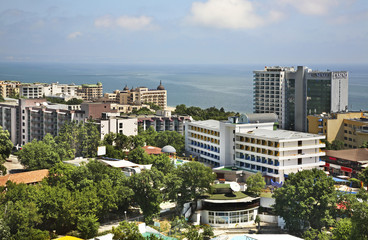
<point>339,179</point>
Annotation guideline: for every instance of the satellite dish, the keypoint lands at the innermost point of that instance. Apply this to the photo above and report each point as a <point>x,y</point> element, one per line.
<point>235,186</point>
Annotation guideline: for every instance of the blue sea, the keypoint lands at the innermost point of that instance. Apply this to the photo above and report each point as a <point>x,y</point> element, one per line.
<point>228,86</point>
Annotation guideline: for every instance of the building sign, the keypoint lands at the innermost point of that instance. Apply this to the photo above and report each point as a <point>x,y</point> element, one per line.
<point>338,75</point>
<point>346,169</point>
<point>320,74</point>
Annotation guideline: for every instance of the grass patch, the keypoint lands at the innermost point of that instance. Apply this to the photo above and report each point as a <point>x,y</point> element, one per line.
<point>228,196</point>
<point>221,185</point>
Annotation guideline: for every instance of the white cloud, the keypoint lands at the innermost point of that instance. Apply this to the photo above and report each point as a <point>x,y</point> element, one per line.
<point>230,14</point>
<point>313,7</point>
<point>126,22</point>
<point>74,35</point>
<point>104,21</point>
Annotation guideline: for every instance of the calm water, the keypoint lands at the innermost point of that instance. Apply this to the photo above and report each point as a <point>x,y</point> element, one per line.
<point>228,86</point>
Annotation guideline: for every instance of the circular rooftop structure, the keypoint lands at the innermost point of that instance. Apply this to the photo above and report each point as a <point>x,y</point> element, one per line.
<point>168,149</point>
<point>126,88</point>
<point>160,87</point>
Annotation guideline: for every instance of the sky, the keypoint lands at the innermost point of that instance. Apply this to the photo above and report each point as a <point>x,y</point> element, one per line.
<point>185,31</point>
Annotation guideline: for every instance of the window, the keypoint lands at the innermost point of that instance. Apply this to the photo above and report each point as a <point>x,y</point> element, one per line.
<point>345,138</point>
<point>120,125</point>
<point>350,139</point>
<point>349,132</point>
<point>345,131</point>
<point>300,162</point>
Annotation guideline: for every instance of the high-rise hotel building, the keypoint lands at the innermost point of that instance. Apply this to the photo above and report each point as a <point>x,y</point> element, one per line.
<point>295,93</point>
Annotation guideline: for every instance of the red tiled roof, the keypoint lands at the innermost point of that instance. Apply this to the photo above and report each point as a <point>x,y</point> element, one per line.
<point>25,177</point>
<point>355,155</point>
<point>152,150</point>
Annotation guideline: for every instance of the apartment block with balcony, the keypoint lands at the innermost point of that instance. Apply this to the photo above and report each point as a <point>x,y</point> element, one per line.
<point>90,92</point>
<point>254,145</point>
<point>138,96</point>
<point>348,127</point>
<point>9,88</point>
<point>277,153</point>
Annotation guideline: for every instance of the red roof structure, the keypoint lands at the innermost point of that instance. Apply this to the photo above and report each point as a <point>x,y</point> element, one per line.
<point>152,150</point>
<point>25,177</point>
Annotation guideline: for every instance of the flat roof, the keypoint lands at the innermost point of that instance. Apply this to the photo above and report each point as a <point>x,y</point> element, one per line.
<point>280,134</point>
<point>207,123</point>
<point>354,155</point>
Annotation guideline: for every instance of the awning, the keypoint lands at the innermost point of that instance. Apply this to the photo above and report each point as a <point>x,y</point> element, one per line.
<point>340,180</point>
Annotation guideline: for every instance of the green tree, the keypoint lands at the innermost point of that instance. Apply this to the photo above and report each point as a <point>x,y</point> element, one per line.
<point>359,217</point>
<point>5,148</point>
<point>306,199</point>
<point>87,225</point>
<point>314,234</point>
<point>109,139</point>
<point>74,101</point>
<point>162,163</point>
<point>149,136</point>
<point>139,156</point>
<point>39,154</point>
<point>255,183</point>
<point>121,141</point>
<point>147,194</point>
<point>126,231</point>
<point>172,138</point>
<point>195,180</point>
<point>67,140</point>
<point>89,139</point>
<point>342,230</point>
<point>193,233</point>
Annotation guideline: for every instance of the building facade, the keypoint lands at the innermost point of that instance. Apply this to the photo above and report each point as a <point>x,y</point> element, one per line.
<point>348,127</point>
<point>253,145</point>
<point>126,126</point>
<point>295,93</point>
<point>9,88</point>
<point>90,92</point>
<point>139,96</point>
<point>29,119</point>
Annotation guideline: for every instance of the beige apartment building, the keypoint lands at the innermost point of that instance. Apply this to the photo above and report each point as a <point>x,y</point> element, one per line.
<point>9,88</point>
<point>349,127</point>
<point>138,96</point>
<point>90,92</point>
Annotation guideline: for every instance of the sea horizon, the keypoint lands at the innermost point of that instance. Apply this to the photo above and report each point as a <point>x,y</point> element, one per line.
<point>204,85</point>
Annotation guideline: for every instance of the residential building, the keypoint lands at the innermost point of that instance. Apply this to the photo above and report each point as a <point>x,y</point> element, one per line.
<point>254,145</point>
<point>9,88</point>
<point>32,90</point>
<point>348,127</point>
<point>348,162</point>
<point>90,92</point>
<point>112,124</point>
<point>163,120</point>
<point>29,119</point>
<point>138,96</point>
<point>295,93</point>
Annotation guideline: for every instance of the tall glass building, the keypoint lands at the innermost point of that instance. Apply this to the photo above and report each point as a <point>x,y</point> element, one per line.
<point>295,93</point>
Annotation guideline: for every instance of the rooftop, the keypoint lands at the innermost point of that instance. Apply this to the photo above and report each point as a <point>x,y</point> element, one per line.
<point>152,150</point>
<point>208,124</point>
<point>25,177</point>
<point>354,155</point>
<point>280,134</point>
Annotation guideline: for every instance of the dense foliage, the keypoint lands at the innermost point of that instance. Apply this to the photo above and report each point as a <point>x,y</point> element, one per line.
<point>198,113</point>
<point>5,148</point>
<point>142,111</point>
<point>74,140</point>
<point>335,145</point>
<point>255,183</point>
<point>73,101</point>
<point>305,200</point>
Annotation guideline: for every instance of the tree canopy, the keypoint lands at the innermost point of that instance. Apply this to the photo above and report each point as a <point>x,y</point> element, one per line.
<point>6,147</point>
<point>198,113</point>
<point>306,199</point>
<point>255,183</point>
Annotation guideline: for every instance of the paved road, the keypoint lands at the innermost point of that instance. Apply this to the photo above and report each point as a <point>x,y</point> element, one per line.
<point>13,165</point>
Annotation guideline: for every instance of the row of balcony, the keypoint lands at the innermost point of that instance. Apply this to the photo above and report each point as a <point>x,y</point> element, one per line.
<point>259,159</point>
<point>204,138</point>
<point>205,146</point>
<point>204,130</point>
<point>257,168</point>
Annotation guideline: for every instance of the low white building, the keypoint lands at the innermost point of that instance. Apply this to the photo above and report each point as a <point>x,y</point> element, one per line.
<point>126,126</point>
<point>251,143</point>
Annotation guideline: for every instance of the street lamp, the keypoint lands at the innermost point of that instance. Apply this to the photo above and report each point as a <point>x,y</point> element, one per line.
<point>125,216</point>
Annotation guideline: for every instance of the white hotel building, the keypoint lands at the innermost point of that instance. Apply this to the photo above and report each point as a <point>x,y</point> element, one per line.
<point>250,143</point>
